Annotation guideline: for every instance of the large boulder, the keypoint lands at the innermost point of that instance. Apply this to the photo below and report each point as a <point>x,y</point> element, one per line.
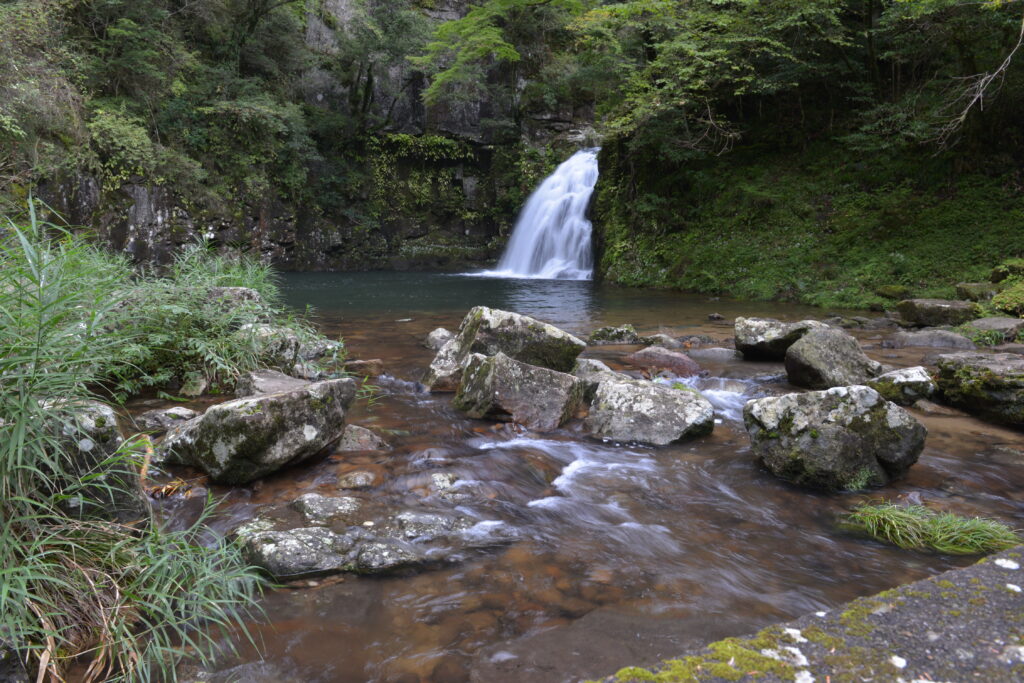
<point>487,331</point>
<point>657,358</point>
<point>262,382</point>
<point>768,339</point>
<point>499,387</point>
<point>936,312</point>
<point>242,440</point>
<point>592,372</point>
<point>990,385</point>
<point>438,338</point>
<point>645,412</point>
<point>904,386</point>
<point>1009,329</point>
<point>103,482</point>
<point>828,358</point>
<point>841,438</point>
<point>936,339</point>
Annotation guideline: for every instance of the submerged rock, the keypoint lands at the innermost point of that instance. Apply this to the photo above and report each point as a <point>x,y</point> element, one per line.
<point>373,367</point>
<point>827,358</point>
<point>488,331</point>
<point>636,410</point>
<point>262,382</point>
<point>989,385</point>
<point>159,421</point>
<point>936,339</point>
<point>657,358</point>
<point>499,386</point>
<point>242,440</point>
<point>299,553</point>
<point>768,339</point>
<point>841,438</point>
<point>438,338</point>
<point>936,312</point>
<point>904,386</point>
<point>318,510</point>
<point>356,438</point>
<point>623,334</point>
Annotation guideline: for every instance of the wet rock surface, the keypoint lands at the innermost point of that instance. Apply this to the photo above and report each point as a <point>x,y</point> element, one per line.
<point>488,331</point>
<point>990,385</point>
<point>841,438</point>
<point>438,338</point>
<point>623,334</point>
<point>904,386</point>
<point>827,358</point>
<point>262,382</point>
<point>936,312</point>
<point>644,412</point>
<point>498,386</point>
<point>159,421</point>
<point>938,339</point>
<point>655,358</point>
<point>245,439</point>
<point>768,339</point>
<point>1009,328</point>
<point>356,438</point>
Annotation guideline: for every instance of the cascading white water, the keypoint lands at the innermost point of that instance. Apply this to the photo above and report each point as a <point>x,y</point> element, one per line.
<point>551,239</point>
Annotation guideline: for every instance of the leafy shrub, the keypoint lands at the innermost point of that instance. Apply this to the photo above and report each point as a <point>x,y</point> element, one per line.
<point>1011,299</point>
<point>915,527</point>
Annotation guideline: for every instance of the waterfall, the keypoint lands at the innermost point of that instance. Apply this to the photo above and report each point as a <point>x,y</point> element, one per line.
<point>551,239</point>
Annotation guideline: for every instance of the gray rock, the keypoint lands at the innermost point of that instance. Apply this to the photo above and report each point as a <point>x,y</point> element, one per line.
<point>592,372</point>
<point>88,436</point>
<point>904,386</point>
<point>159,421</point>
<point>715,354</point>
<point>371,367</point>
<point>828,358</point>
<point>356,438</point>
<point>242,440</point>
<point>359,479</point>
<point>931,408</point>
<point>1009,328</point>
<point>1010,348</point>
<point>936,312</point>
<point>623,334</point>
<point>438,338</point>
<point>977,291</point>
<point>498,386</point>
<point>428,526</point>
<point>636,410</point>
<point>841,438</point>
<point>382,556</point>
<point>768,339</point>
<point>936,339</point>
<point>262,382</point>
<point>664,341</point>
<point>487,331</point>
<point>281,348</point>
<point>299,553</point>
<point>989,385</point>
<point>319,510</point>
<point>655,358</point>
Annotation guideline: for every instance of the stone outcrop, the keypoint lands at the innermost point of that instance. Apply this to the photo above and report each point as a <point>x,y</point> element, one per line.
<point>904,386</point>
<point>488,331</point>
<point>989,385</point>
<point>644,412</point>
<point>504,388</point>
<point>841,438</point>
<point>936,339</point>
<point>242,440</point>
<point>936,312</point>
<point>826,358</point>
<point>655,358</point>
<point>768,339</point>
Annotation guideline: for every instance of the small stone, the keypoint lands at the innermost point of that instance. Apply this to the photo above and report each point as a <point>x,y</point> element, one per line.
<point>356,438</point>
<point>898,662</point>
<point>373,367</point>
<point>359,479</point>
<point>716,316</point>
<point>1013,587</point>
<point>1007,564</point>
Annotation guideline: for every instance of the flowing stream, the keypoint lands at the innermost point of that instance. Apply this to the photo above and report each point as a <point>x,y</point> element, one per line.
<point>551,239</point>
<point>621,554</point>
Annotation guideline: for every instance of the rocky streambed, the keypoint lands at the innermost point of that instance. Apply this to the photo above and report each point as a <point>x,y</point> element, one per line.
<point>549,502</point>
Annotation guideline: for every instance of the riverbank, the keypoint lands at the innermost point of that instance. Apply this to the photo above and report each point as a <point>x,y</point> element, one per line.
<point>959,625</point>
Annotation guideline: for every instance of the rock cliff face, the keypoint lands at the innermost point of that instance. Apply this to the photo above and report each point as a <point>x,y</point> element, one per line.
<point>434,188</point>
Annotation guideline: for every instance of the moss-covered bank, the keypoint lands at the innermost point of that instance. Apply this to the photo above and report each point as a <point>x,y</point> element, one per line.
<point>823,226</point>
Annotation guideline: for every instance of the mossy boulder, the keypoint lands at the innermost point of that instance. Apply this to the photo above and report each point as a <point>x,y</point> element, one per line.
<point>989,385</point>
<point>1011,299</point>
<point>1011,268</point>
<point>644,412</point>
<point>767,338</point>
<point>841,438</point>
<point>488,331</point>
<point>977,291</point>
<point>828,357</point>
<point>245,439</point>
<point>904,386</point>
<point>895,292</point>
<point>936,312</point>
<point>623,334</point>
<point>502,387</point>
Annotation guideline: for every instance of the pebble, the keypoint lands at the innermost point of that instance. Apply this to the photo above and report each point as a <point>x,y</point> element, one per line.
<point>1007,564</point>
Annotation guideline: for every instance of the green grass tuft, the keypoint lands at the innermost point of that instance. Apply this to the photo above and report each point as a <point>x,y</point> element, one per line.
<point>915,527</point>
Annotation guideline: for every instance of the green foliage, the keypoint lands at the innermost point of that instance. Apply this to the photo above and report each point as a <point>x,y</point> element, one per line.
<point>133,599</point>
<point>1011,299</point>
<point>915,527</point>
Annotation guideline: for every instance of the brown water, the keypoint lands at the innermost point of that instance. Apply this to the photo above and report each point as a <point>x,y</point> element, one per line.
<point>625,555</point>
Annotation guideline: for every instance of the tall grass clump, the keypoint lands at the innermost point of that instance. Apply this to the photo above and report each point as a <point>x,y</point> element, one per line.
<point>124,600</point>
<point>915,527</point>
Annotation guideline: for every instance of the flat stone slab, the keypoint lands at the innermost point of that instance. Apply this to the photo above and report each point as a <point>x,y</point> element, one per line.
<point>962,625</point>
<point>936,312</point>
